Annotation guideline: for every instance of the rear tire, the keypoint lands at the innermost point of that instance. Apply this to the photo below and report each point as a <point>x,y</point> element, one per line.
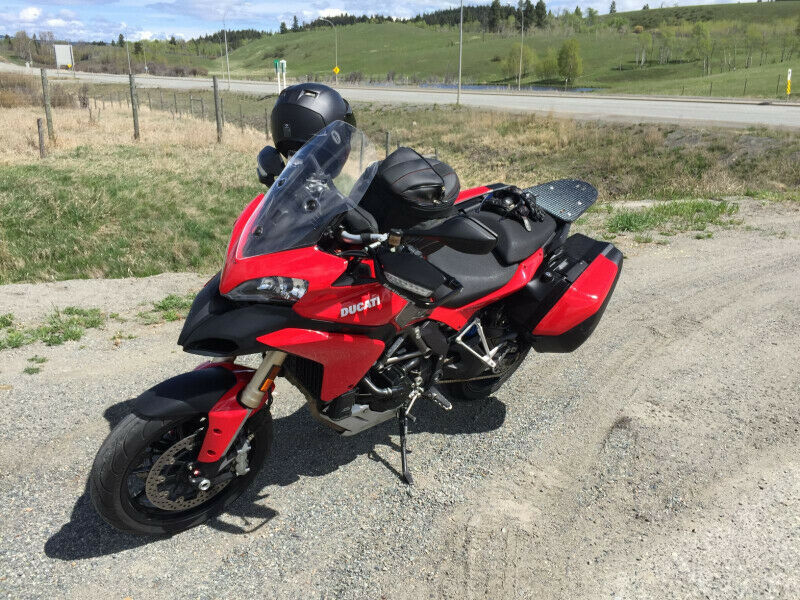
<point>118,466</point>
<point>480,389</point>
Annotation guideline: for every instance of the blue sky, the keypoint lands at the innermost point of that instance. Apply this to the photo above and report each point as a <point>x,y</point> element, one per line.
<point>137,19</point>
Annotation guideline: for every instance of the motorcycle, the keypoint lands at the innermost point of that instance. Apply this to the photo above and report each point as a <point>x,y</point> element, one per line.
<point>363,307</point>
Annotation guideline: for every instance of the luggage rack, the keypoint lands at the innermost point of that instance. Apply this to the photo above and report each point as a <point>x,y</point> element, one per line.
<point>565,199</point>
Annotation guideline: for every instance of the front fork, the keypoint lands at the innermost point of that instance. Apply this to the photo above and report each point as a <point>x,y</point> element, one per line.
<point>229,414</point>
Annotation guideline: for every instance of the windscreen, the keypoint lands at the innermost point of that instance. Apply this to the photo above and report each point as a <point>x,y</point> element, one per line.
<point>325,178</point>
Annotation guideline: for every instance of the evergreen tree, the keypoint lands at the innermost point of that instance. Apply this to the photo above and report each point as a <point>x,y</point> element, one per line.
<point>613,8</point>
<point>541,13</point>
<point>495,15</point>
<point>578,12</point>
<point>121,40</point>
<point>295,24</point>
<point>284,29</point>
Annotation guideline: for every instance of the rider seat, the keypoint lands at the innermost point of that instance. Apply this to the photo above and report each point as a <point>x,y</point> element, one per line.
<point>479,274</point>
<point>514,242</point>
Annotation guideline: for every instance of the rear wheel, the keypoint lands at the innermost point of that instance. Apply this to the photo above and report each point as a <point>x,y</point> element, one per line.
<point>478,389</point>
<point>140,478</point>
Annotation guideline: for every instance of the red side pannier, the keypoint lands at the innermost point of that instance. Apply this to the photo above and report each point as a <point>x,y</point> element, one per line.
<point>562,305</point>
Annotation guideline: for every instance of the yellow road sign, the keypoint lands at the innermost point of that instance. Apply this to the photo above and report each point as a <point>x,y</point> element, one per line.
<point>336,70</point>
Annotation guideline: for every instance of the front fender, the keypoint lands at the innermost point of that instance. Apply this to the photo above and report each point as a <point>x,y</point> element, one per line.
<point>184,395</point>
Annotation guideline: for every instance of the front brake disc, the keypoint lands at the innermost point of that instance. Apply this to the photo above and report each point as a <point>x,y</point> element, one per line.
<point>158,488</point>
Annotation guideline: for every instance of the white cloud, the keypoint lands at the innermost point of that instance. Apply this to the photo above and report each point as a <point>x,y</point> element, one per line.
<point>29,14</point>
<point>55,22</point>
<point>144,35</point>
<point>330,12</point>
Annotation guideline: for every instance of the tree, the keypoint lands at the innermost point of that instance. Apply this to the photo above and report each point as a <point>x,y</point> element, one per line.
<point>173,41</point>
<point>547,66</point>
<point>137,48</point>
<point>613,8</point>
<point>121,40</point>
<point>541,13</point>
<point>283,29</point>
<point>702,46</point>
<point>591,16</point>
<point>495,15</point>
<point>578,12</point>
<point>525,13</point>
<point>646,7</point>
<point>570,63</point>
<point>511,62</point>
<point>295,24</point>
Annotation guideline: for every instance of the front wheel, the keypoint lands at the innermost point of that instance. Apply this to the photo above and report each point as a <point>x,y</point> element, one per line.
<point>140,478</point>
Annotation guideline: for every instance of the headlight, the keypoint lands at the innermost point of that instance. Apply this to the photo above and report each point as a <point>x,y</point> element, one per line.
<point>265,289</point>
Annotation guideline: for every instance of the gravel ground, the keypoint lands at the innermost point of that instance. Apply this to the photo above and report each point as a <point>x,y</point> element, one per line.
<point>659,460</point>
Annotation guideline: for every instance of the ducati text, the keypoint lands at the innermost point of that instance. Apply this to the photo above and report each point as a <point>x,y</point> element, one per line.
<point>360,307</point>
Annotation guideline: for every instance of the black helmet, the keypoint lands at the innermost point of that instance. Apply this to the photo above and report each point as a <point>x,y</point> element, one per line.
<point>304,109</point>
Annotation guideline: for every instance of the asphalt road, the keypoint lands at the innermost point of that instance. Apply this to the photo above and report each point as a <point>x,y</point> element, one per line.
<point>698,111</point>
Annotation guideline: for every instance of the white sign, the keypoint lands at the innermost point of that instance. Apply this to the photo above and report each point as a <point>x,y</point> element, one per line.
<point>64,56</point>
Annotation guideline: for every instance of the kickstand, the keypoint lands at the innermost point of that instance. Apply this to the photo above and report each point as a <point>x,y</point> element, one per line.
<point>402,418</point>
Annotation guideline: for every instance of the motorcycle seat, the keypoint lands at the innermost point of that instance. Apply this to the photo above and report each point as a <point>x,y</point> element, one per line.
<point>514,242</point>
<point>479,274</point>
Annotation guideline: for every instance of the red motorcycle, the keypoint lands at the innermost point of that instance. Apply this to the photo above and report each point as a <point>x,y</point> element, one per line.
<point>369,286</point>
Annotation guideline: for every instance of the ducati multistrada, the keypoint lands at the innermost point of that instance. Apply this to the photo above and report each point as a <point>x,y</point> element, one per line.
<point>369,286</point>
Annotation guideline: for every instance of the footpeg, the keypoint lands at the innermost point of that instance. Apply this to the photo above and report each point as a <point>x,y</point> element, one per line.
<point>438,398</point>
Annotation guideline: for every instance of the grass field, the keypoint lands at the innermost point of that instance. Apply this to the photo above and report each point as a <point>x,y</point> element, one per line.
<point>102,205</point>
<point>408,52</point>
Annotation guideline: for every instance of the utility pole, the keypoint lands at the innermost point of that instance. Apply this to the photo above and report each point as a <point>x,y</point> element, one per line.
<point>521,48</point>
<point>336,52</point>
<point>227,62</point>
<point>460,50</point>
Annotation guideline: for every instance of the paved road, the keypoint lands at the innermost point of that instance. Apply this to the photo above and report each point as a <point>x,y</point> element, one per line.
<point>580,106</point>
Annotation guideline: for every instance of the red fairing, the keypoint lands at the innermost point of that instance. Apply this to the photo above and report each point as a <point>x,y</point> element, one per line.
<point>345,358</point>
<point>581,300</point>
<point>370,304</point>
<point>227,416</point>
<point>458,317</point>
<point>319,268</point>
<point>472,193</point>
<point>238,225</point>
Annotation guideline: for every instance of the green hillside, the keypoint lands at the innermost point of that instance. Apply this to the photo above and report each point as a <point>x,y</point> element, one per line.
<point>755,41</point>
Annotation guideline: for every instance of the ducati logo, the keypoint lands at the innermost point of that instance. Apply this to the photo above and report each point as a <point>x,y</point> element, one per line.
<point>360,307</point>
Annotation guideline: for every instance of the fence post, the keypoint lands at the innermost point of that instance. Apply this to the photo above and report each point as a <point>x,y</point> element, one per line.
<point>387,143</point>
<point>161,97</point>
<point>217,108</point>
<point>191,105</point>
<point>778,87</point>
<point>744,91</point>
<point>40,127</point>
<point>202,109</point>
<point>266,123</point>
<point>47,112</point>
<point>135,106</point>
<point>149,103</point>
<point>241,118</point>
<point>711,89</point>
<point>222,108</point>
<point>175,99</point>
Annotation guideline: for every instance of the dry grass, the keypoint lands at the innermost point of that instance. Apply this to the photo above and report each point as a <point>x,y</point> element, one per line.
<point>161,136</point>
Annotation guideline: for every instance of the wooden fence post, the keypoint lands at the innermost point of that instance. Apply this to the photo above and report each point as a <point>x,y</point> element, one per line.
<point>175,99</point>
<point>387,143</point>
<point>217,109</point>
<point>149,103</point>
<point>47,112</point>
<point>266,123</point>
<point>40,127</point>
<point>135,105</point>
<point>202,109</point>
<point>161,97</point>
<point>191,105</point>
<point>241,118</point>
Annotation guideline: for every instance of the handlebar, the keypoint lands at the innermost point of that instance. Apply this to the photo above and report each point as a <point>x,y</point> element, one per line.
<point>363,238</point>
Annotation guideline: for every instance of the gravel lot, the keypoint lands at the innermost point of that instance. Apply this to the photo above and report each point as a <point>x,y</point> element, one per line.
<point>659,461</point>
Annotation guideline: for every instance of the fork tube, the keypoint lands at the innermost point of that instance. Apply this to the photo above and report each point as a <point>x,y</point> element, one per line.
<point>252,394</point>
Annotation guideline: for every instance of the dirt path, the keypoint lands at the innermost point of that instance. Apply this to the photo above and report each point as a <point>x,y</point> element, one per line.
<point>658,461</point>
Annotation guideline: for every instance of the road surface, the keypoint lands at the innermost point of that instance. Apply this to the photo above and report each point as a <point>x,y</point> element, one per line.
<point>688,111</point>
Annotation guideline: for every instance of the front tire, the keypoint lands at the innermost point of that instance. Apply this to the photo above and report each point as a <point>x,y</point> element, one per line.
<point>120,484</point>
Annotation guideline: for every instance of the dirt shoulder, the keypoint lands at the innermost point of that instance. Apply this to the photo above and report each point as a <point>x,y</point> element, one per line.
<point>657,461</point>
